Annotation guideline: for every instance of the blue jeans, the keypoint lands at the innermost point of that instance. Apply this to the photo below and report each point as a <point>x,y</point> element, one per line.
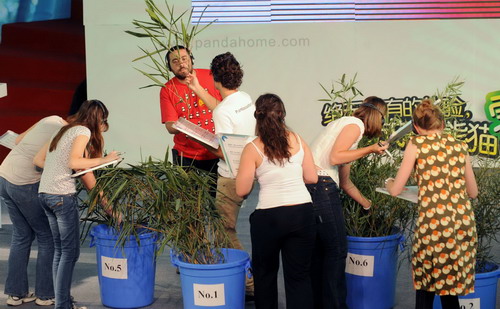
<point>64,220</point>
<point>28,221</point>
<point>330,252</point>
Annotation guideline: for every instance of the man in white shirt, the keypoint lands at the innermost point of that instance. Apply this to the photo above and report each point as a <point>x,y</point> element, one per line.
<point>233,115</point>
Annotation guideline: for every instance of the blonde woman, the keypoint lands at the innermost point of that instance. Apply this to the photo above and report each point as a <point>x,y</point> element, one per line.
<point>444,246</point>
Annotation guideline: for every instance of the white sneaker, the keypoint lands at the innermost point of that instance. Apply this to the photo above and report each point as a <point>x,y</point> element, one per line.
<point>45,302</point>
<point>74,306</point>
<point>16,301</point>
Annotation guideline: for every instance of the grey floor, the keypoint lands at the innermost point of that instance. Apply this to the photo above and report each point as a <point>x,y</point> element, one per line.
<point>168,294</point>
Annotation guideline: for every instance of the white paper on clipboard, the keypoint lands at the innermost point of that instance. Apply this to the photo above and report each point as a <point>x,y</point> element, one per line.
<point>80,173</point>
<point>196,132</point>
<point>232,146</point>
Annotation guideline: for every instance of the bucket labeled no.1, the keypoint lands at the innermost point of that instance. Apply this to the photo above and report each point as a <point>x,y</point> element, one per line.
<point>371,269</point>
<point>126,273</point>
<point>219,285</point>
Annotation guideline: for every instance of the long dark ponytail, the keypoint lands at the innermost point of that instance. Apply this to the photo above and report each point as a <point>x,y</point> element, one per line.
<point>271,128</point>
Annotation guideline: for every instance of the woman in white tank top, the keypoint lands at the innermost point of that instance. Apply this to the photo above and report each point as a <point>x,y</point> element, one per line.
<point>283,221</point>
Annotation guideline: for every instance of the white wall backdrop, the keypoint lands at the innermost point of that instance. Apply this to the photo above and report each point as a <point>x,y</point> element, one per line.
<point>392,59</point>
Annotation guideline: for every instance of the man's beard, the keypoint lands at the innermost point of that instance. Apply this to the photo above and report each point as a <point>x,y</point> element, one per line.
<point>182,76</point>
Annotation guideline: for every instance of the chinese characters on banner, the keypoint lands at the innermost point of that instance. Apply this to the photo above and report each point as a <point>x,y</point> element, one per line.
<point>480,136</point>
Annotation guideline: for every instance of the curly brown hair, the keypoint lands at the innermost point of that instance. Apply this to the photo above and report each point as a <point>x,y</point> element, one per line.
<point>227,70</point>
<point>271,128</point>
<point>428,116</point>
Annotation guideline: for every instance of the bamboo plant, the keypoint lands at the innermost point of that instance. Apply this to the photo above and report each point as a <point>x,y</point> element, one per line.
<point>158,196</point>
<point>487,211</point>
<point>164,29</point>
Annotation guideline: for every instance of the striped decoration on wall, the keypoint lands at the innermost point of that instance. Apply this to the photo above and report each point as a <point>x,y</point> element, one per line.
<point>280,11</point>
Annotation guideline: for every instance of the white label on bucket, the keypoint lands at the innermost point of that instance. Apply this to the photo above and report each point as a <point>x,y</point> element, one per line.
<point>360,265</point>
<point>114,268</point>
<point>209,295</point>
<point>471,303</point>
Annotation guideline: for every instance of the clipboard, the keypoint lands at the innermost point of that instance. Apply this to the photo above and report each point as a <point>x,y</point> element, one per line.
<point>402,131</point>
<point>405,129</point>
<point>8,139</point>
<point>232,146</point>
<point>410,194</point>
<point>80,173</point>
<point>3,90</point>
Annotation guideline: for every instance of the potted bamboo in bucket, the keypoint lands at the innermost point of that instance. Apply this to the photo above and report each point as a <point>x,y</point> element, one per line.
<point>160,205</point>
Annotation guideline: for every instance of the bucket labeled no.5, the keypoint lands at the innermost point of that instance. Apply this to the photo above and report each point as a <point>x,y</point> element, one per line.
<point>126,274</point>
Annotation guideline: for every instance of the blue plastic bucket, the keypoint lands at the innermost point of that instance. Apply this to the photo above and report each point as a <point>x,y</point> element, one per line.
<point>126,274</point>
<point>214,285</point>
<point>485,295</point>
<point>371,269</point>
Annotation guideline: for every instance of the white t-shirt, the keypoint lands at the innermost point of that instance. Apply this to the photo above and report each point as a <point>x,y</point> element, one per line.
<point>234,115</point>
<point>322,145</point>
<point>18,167</point>
<point>56,176</point>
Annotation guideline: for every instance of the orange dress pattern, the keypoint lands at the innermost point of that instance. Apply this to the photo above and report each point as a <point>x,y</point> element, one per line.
<point>444,247</point>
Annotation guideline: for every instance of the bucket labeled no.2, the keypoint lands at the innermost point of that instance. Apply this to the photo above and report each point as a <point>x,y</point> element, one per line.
<point>485,295</point>
<point>126,274</point>
<point>371,270</point>
<point>214,285</point>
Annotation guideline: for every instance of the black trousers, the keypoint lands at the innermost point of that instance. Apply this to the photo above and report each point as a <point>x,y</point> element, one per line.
<point>206,165</point>
<point>425,300</point>
<point>289,230</point>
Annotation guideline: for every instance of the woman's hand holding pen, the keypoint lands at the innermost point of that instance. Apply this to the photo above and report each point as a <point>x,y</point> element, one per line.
<point>113,155</point>
<point>379,147</point>
<point>386,151</point>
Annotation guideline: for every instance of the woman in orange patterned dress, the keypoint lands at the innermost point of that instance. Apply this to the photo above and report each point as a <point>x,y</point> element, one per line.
<point>445,238</point>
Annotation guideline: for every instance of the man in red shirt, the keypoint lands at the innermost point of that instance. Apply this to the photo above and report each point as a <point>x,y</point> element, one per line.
<point>191,94</point>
